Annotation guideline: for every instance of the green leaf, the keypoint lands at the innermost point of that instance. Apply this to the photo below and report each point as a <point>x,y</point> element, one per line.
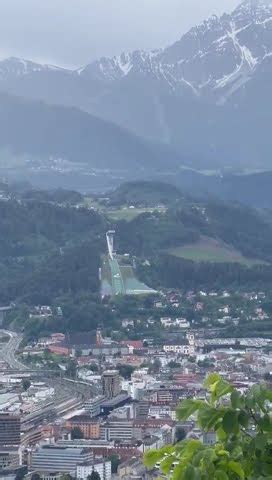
<point>209,416</point>
<point>221,435</point>
<point>209,456</point>
<point>260,441</point>
<point>178,472</point>
<point>166,464</point>
<point>190,473</point>
<point>230,422</point>
<point>250,401</point>
<point>221,388</point>
<point>187,408</point>
<point>211,379</point>
<point>267,469</point>
<point>197,458</point>
<point>220,475</point>
<point>267,394</point>
<point>265,423</point>
<point>256,391</point>
<point>222,453</point>
<point>235,399</point>
<point>236,468</point>
<point>152,457</point>
<point>243,418</point>
<point>192,446</point>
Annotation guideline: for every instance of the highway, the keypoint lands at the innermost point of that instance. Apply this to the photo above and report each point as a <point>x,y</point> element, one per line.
<point>8,350</point>
<point>68,395</point>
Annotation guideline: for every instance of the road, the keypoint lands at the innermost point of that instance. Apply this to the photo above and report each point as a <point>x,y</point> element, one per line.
<point>68,395</point>
<point>8,350</point>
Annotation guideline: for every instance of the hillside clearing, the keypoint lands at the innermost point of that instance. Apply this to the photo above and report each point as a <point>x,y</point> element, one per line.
<point>211,250</point>
<point>129,214</point>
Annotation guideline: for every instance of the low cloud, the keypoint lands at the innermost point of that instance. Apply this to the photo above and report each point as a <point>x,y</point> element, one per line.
<point>74,32</point>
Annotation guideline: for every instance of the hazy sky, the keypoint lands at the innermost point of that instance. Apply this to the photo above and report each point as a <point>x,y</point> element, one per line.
<point>74,32</point>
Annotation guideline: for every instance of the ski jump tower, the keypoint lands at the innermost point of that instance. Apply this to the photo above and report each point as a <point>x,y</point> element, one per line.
<point>110,238</point>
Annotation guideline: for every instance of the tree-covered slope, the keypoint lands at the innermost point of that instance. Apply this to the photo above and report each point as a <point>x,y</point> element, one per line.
<point>46,131</point>
<point>49,250</point>
<point>145,193</point>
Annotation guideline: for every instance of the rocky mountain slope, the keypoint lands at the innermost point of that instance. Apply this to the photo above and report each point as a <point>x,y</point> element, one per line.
<point>207,95</point>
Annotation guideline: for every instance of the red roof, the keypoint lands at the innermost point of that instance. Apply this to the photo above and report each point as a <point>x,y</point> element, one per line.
<point>133,343</point>
<point>122,452</point>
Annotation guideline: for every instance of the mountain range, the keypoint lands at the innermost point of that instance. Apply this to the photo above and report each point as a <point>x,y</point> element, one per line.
<point>69,134</point>
<point>207,96</point>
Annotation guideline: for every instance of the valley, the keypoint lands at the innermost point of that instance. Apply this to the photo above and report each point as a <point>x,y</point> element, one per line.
<point>135,240</point>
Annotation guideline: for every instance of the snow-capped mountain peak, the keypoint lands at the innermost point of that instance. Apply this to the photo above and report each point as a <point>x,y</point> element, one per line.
<point>219,55</point>
<point>18,67</point>
<point>115,68</point>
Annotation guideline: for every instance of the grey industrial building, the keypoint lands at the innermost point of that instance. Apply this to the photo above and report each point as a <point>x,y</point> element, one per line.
<point>54,458</point>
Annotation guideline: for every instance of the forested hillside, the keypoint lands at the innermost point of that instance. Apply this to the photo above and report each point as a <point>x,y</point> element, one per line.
<point>42,131</point>
<point>47,250</point>
<point>51,246</point>
<point>145,193</point>
<point>240,227</point>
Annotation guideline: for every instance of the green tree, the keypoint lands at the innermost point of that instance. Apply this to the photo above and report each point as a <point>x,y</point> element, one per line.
<point>66,476</point>
<point>71,369</point>
<point>155,366</point>
<point>126,371</point>
<point>35,476</point>
<point>93,367</point>
<point>115,462</point>
<point>76,433</point>
<point>173,364</point>
<point>243,428</point>
<point>180,434</point>
<point>94,476</point>
<point>26,384</point>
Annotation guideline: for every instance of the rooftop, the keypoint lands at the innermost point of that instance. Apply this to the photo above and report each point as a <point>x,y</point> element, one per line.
<point>116,400</point>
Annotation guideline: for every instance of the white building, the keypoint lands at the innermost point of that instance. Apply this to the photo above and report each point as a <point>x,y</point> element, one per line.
<point>174,322</point>
<point>182,323</point>
<point>185,347</point>
<point>182,349</point>
<point>167,321</point>
<point>86,469</point>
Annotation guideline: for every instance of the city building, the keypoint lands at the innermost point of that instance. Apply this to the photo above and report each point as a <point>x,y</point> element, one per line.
<point>182,347</point>
<point>120,429</point>
<point>53,458</point>
<point>111,383</point>
<point>7,400</point>
<point>133,468</point>
<point>89,427</point>
<point>9,457</point>
<point>86,469</point>
<point>10,430</point>
<point>92,406</point>
<point>115,402</point>
<point>90,343</point>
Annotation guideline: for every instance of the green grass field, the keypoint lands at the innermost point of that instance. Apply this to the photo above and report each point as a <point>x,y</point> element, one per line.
<point>121,213</point>
<point>211,250</point>
<point>129,214</point>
